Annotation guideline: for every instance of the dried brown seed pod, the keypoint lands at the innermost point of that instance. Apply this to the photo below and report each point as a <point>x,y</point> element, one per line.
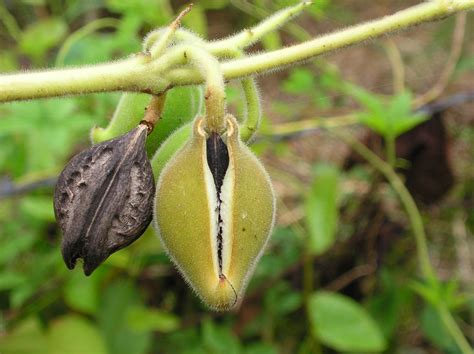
<point>103,199</point>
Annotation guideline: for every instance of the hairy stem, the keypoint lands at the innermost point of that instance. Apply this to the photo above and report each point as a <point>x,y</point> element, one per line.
<point>215,89</point>
<point>254,112</point>
<point>140,73</point>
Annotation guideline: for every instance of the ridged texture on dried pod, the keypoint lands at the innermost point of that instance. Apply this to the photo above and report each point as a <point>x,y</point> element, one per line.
<point>104,198</point>
<point>214,213</point>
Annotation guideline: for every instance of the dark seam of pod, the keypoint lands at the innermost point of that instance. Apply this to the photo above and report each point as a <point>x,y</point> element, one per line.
<point>218,162</point>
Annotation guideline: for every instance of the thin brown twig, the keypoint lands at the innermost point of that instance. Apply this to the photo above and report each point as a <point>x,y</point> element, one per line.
<point>348,277</point>
<point>153,111</point>
<point>177,22</point>
<point>454,55</point>
<point>396,63</point>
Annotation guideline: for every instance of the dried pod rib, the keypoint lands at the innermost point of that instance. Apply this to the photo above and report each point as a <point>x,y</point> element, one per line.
<point>214,213</point>
<point>103,199</point>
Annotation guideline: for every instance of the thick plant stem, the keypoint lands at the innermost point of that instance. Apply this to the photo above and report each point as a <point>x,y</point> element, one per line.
<point>424,12</point>
<point>418,231</point>
<point>143,74</point>
<point>215,88</point>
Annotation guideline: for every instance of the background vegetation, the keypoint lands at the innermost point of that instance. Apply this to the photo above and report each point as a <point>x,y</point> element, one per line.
<point>341,273</point>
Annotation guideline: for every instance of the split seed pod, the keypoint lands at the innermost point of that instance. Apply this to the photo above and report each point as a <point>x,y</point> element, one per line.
<point>214,213</point>
<point>104,198</point>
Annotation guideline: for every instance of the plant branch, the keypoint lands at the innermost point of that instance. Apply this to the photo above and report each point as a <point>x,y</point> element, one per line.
<point>405,198</point>
<point>428,11</point>
<point>418,231</point>
<point>140,73</point>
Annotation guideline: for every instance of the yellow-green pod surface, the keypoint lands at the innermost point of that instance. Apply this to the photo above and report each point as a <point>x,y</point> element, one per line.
<point>215,232</point>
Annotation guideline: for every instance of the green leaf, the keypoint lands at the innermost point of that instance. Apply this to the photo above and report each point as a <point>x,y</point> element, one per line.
<point>10,280</point>
<point>342,324</point>
<point>181,106</point>
<point>400,116</point>
<point>155,13</point>
<point>148,319</point>
<point>169,147</point>
<point>389,119</point>
<point>321,209</point>
<point>81,293</point>
<point>300,81</point>
<point>219,339</point>
<point>281,299</point>
<point>196,20</point>
<point>388,304</point>
<point>112,317</point>
<point>38,207</point>
<point>261,348</point>
<point>73,334</point>
<point>373,104</point>
<point>54,128</point>
<point>13,246</point>
<point>41,36</point>
<point>435,330</point>
<point>271,41</point>
<point>26,338</point>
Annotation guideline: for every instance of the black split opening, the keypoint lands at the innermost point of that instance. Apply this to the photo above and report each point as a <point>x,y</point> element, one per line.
<point>218,162</point>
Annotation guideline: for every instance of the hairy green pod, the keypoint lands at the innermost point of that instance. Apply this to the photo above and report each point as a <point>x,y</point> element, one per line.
<point>214,211</point>
<point>169,147</point>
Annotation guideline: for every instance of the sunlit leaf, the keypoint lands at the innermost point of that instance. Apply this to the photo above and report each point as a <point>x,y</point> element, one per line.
<point>342,324</point>
<point>299,81</point>
<point>117,298</point>
<point>321,208</point>
<point>73,334</point>
<point>196,20</point>
<point>42,36</point>
<point>219,339</point>
<point>26,338</point>
<point>435,331</point>
<point>149,319</point>
<point>82,293</point>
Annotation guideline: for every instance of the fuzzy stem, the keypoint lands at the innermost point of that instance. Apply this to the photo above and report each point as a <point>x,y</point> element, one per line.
<point>254,112</point>
<point>229,47</point>
<point>159,46</point>
<point>215,88</point>
<point>427,11</point>
<point>154,76</point>
<point>250,36</point>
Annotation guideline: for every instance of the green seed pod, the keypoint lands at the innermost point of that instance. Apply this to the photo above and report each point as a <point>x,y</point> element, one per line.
<point>169,147</point>
<point>214,213</point>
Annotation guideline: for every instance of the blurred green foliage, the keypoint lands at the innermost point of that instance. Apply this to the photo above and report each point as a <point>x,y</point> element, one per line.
<point>136,303</point>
